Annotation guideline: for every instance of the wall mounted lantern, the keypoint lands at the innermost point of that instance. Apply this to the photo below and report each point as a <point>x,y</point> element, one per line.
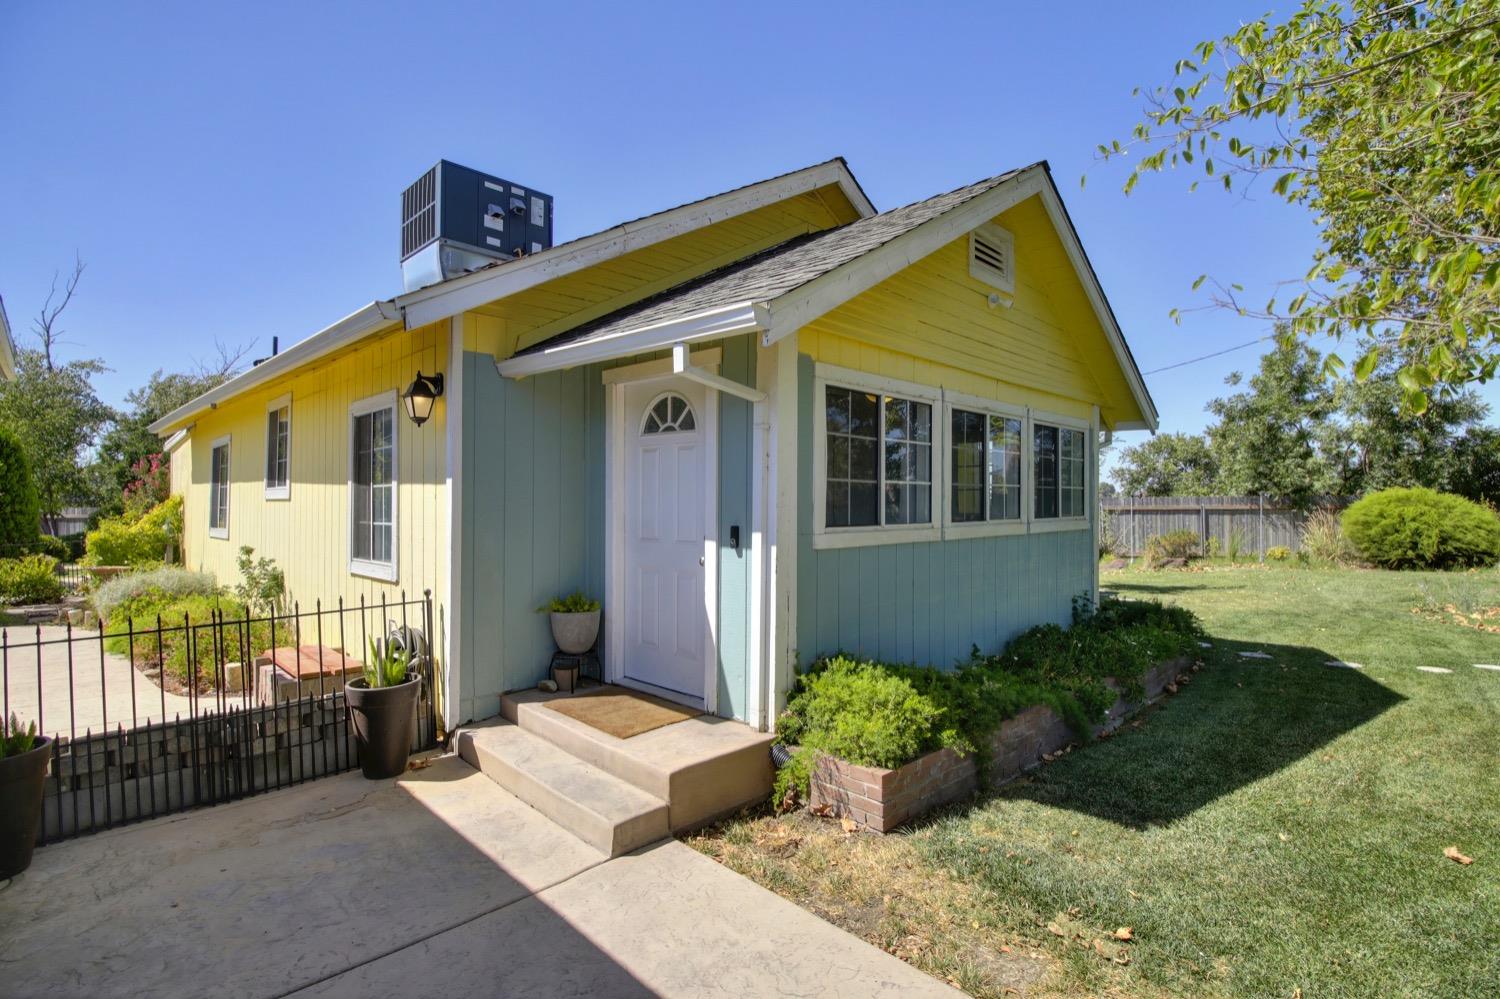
<point>421,395</point>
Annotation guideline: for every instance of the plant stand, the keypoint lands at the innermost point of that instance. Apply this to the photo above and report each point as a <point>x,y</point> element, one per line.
<point>579,664</point>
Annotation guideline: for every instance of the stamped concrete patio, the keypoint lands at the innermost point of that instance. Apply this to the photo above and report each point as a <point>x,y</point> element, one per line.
<point>438,883</point>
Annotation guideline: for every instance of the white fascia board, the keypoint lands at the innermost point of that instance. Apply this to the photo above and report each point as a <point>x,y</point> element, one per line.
<point>355,326</point>
<point>1112,332</point>
<point>744,317</point>
<point>428,305</point>
<point>176,439</point>
<point>801,306</point>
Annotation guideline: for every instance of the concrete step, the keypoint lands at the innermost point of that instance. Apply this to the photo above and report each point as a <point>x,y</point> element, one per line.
<point>609,814</point>
<point>704,768</point>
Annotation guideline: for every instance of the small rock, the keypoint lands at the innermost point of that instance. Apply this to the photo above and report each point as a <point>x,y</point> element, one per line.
<point>547,687</point>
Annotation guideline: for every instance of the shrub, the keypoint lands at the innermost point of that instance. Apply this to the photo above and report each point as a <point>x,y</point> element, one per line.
<point>20,510</point>
<point>165,584</point>
<point>144,541</point>
<point>1173,544</point>
<point>1278,553</point>
<point>30,580</point>
<point>1323,539</point>
<point>262,585</point>
<point>884,715</point>
<point>1235,545</point>
<point>191,647</point>
<point>46,544</point>
<point>1422,529</point>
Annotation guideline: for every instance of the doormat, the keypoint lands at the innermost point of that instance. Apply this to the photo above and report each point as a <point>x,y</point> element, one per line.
<point>622,713</point>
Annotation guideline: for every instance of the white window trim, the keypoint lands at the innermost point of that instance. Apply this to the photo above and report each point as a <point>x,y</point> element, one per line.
<point>986,528</point>
<point>825,375</point>
<point>383,571</point>
<point>279,492</point>
<point>222,531</point>
<point>1048,524</point>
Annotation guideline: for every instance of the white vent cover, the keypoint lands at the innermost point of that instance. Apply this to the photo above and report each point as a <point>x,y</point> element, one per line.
<point>992,257</point>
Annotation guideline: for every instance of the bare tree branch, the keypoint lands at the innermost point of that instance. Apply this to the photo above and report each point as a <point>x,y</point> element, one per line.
<point>45,323</point>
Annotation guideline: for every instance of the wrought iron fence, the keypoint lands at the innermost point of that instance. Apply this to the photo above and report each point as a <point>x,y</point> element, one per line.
<point>147,721</point>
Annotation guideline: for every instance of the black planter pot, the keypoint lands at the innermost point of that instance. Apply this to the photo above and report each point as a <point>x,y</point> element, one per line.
<point>385,723</point>
<point>21,782</point>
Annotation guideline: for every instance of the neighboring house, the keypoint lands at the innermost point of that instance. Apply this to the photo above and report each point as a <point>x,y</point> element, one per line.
<point>7,347</point>
<point>759,427</point>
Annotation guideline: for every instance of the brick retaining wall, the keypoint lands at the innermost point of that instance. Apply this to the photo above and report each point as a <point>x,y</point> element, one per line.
<point>881,800</point>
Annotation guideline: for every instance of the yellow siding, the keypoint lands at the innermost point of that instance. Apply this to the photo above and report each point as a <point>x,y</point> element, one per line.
<point>932,323</point>
<point>308,534</point>
<point>527,317</point>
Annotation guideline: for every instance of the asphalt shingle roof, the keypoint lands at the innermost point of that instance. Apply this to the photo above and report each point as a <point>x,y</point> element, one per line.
<point>772,273</point>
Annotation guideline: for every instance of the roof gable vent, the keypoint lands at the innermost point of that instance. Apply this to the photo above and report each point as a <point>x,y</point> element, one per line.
<point>992,257</point>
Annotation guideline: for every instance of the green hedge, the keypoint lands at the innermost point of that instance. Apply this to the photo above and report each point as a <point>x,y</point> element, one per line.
<point>885,715</point>
<point>20,510</point>
<point>123,541</point>
<point>30,580</point>
<point>1422,529</point>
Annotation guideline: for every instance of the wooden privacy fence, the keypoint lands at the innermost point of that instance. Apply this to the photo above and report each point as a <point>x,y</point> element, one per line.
<point>1259,522</point>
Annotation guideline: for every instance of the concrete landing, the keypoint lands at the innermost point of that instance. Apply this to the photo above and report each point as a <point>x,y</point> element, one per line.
<point>704,768</point>
<point>438,883</point>
<point>605,812</point>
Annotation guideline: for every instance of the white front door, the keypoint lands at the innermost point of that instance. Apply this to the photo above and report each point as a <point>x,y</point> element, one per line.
<point>669,470</point>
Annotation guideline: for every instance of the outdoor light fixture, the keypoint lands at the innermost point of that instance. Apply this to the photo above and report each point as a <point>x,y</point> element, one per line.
<point>420,396</point>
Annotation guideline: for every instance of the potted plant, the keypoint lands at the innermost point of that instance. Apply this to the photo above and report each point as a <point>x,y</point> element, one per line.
<point>383,710</point>
<point>23,772</point>
<point>575,622</point>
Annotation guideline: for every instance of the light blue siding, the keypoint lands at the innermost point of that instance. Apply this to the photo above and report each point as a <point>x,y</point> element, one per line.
<point>927,603</point>
<point>533,507</point>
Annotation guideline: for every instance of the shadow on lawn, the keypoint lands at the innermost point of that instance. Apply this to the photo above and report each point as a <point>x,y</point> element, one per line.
<point>1240,720</point>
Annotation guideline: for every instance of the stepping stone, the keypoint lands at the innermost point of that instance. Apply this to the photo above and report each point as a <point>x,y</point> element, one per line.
<point>1434,669</point>
<point>1254,655</point>
<point>1487,666</point>
<point>1340,664</point>
<point>1205,645</point>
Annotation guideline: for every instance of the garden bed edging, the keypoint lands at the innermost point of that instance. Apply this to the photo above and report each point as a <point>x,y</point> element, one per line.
<point>880,800</point>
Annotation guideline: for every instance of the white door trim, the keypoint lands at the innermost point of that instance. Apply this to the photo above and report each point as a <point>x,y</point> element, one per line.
<point>615,431</point>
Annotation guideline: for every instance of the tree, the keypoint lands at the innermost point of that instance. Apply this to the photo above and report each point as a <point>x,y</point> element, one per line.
<point>1376,443</point>
<point>1379,118</point>
<point>1266,438</point>
<point>1475,466</point>
<point>20,511</point>
<point>1168,465</point>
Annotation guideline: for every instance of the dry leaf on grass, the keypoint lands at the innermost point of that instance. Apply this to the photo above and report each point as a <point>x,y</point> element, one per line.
<point>1454,855</point>
<point>1124,933</point>
<point>848,825</point>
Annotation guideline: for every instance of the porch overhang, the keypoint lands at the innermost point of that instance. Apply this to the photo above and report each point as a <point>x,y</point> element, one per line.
<point>732,320</point>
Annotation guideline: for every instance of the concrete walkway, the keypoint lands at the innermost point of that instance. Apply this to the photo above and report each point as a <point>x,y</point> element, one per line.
<point>94,705</point>
<point>437,884</point>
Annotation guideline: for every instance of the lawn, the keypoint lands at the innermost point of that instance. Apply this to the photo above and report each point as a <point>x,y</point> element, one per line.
<point>1276,829</point>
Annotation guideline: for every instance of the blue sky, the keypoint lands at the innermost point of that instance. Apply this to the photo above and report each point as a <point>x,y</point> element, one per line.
<point>233,172</point>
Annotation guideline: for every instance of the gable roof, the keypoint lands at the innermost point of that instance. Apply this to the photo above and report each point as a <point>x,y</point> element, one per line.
<point>459,294</point>
<point>768,275</point>
<point>783,288</point>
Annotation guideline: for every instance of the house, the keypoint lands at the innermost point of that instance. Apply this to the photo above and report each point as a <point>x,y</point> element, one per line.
<point>760,426</point>
<point>7,347</point>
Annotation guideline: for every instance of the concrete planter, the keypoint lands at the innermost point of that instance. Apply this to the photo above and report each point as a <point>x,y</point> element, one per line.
<point>575,633</point>
<point>22,778</point>
<point>881,800</point>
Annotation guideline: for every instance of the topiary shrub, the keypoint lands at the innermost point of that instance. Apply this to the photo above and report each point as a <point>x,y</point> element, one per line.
<point>123,541</point>
<point>30,580</point>
<point>20,510</point>
<point>1422,529</point>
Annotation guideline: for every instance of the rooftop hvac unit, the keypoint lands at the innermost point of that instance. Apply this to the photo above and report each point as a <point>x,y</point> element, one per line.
<point>455,220</point>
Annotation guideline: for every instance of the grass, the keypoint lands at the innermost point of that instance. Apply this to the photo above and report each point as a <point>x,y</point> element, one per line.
<point>1276,829</point>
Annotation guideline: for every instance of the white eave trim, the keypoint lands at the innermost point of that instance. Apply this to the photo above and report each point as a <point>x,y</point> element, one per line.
<point>801,306</point>
<point>176,439</point>
<point>428,305</point>
<point>353,327</point>
<point>743,317</point>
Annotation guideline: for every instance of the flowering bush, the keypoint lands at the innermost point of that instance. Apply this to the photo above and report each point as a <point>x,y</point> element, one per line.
<point>150,485</point>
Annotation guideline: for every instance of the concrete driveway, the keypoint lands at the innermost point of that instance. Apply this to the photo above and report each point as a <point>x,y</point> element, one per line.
<point>439,883</point>
<point>103,691</point>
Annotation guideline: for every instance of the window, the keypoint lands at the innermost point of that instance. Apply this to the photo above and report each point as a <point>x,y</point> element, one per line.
<point>1059,463</point>
<point>878,459</point>
<point>372,487</point>
<point>671,413</point>
<point>218,489</point>
<point>279,449</point>
<point>986,467</point>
